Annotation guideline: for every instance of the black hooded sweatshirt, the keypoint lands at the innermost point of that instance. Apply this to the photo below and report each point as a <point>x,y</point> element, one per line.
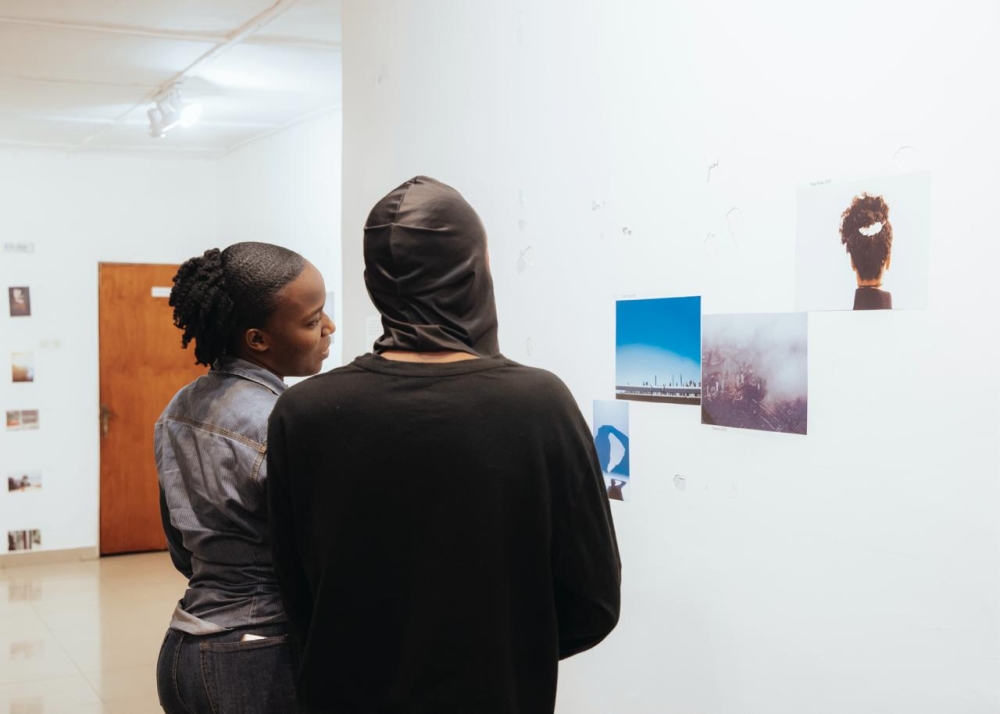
<point>441,532</point>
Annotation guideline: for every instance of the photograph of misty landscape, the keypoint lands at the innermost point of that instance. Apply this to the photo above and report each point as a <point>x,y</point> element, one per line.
<point>755,372</point>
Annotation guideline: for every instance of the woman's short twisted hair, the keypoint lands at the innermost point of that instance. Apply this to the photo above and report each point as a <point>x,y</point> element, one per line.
<point>869,248</point>
<point>218,295</point>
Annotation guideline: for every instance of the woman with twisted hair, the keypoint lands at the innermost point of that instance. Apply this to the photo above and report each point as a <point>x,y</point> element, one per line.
<point>254,312</point>
<point>866,233</point>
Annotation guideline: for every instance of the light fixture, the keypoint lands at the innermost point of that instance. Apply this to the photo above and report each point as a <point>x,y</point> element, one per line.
<point>171,111</point>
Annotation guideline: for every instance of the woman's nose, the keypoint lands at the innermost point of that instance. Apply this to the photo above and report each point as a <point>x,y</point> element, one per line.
<point>329,328</point>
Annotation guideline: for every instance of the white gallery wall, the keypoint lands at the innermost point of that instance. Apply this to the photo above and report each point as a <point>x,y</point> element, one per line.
<point>285,189</point>
<point>83,209</point>
<point>658,149</point>
<point>78,211</point>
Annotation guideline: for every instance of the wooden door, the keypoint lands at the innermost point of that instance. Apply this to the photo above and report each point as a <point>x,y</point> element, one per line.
<point>142,367</point>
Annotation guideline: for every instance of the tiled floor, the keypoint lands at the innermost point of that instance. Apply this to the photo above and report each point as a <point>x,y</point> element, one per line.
<point>82,638</point>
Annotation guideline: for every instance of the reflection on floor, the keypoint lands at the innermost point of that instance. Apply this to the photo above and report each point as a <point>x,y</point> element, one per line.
<point>82,638</point>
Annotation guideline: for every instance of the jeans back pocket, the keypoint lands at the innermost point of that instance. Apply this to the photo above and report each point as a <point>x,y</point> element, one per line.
<point>253,677</point>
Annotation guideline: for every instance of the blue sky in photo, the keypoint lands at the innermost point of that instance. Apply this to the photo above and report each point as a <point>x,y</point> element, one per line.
<point>658,338</point>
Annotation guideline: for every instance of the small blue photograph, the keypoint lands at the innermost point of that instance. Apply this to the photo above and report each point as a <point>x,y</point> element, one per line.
<point>658,350</point>
<point>611,440</point>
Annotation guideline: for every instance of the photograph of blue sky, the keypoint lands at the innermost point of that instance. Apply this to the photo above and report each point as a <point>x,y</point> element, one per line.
<point>658,345</point>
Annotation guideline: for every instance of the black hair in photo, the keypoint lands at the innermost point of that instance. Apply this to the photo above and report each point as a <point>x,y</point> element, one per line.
<point>221,294</point>
<point>869,250</point>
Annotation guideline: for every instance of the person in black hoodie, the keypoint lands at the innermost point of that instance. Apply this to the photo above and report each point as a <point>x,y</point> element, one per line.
<point>438,516</point>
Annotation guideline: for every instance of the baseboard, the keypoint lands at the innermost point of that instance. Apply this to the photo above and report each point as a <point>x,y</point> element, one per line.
<point>44,557</point>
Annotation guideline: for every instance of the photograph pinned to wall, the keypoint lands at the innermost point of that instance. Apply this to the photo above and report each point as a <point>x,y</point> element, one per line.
<point>658,350</point>
<point>22,420</point>
<point>864,244</point>
<point>22,367</point>
<point>755,372</point>
<point>611,440</point>
<point>20,301</point>
<point>24,540</point>
<point>22,482</point>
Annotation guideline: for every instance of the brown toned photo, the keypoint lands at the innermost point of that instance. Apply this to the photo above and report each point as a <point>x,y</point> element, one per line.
<point>24,540</point>
<point>24,481</point>
<point>22,420</point>
<point>22,366</point>
<point>20,301</point>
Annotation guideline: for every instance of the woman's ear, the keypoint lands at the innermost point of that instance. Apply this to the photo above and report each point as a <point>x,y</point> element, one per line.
<point>256,340</point>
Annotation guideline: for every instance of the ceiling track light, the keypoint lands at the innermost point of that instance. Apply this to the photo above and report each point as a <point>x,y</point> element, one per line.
<point>170,111</point>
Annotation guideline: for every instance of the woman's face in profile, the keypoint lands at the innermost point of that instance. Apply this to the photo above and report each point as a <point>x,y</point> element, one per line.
<point>299,330</point>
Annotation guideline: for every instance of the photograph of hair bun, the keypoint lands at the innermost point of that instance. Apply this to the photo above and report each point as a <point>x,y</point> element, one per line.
<point>883,224</point>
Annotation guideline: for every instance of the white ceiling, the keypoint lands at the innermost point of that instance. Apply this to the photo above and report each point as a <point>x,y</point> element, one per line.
<point>79,75</point>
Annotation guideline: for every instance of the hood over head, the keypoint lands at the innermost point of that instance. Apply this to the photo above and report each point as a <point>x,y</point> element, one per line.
<point>426,270</point>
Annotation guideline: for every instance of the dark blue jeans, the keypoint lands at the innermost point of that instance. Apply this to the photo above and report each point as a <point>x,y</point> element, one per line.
<point>219,674</point>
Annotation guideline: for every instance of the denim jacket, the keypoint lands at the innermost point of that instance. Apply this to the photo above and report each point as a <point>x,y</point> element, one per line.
<point>210,444</point>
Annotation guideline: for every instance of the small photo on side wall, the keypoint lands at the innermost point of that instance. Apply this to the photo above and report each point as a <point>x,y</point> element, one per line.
<point>24,540</point>
<point>22,420</point>
<point>20,301</point>
<point>24,481</point>
<point>22,367</point>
